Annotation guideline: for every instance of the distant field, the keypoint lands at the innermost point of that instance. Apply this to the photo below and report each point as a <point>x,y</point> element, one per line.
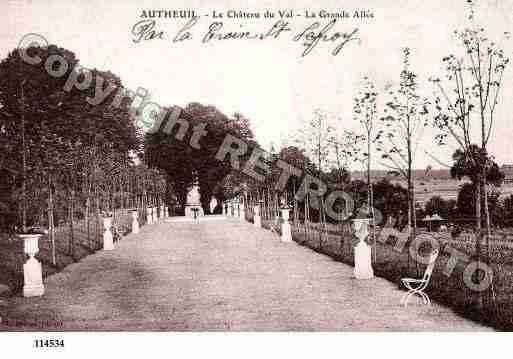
<point>449,189</point>
<point>438,183</point>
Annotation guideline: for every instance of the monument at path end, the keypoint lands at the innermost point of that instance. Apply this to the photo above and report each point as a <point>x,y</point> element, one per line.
<point>213,205</point>
<point>193,207</point>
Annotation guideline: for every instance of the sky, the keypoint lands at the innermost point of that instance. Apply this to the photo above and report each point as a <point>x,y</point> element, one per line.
<point>268,81</point>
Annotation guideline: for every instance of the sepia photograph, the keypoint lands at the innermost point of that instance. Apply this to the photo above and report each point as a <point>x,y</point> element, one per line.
<point>239,166</point>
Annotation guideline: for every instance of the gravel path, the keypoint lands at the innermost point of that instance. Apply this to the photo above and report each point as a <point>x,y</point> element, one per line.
<point>219,275</point>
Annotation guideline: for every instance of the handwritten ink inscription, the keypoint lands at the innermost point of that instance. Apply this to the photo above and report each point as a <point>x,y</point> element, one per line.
<point>309,37</point>
<point>312,37</point>
<point>145,30</point>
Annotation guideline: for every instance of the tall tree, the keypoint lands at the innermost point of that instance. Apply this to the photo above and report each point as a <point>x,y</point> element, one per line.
<point>52,134</point>
<point>404,123</point>
<point>468,97</point>
<point>365,111</point>
<point>180,160</point>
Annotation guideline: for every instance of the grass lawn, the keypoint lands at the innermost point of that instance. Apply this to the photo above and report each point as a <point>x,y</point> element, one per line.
<point>496,307</point>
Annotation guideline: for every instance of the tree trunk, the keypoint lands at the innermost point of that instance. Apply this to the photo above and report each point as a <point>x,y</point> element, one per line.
<point>321,222</point>
<point>307,217</point>
<point>51,226</point>
<point>487,221</point>
<point>411,217</point>
<point>296,210</point>
<point>411,206</point>
<point>479,231</point>
<point>71,235</point>
<point>488,232</point>
<point>408,199</point>
<point>97,215</point>
<point>24,167</point>
<point>87,215</point>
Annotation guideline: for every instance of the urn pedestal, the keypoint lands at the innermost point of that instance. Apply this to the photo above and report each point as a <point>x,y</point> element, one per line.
<point>242,213</point>
<point>362,252</point>
<point>257,222</point>
<point>32,270</point>
<point>149,215</point>
<point>286,233</point>
<point>166,211</point>
<point>155,217</point>
<point>161,213</point>
<point>108,239</point>
<point>135,222</point>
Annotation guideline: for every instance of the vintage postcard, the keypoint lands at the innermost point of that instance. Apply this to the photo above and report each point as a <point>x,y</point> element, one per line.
<point>243,166</point>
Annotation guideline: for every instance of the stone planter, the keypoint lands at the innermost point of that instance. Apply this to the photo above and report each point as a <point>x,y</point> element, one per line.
<point>286,234</point>
<point>32,270</point>
<point>362,252</point>
<point>108,239</point>
<point>135,222</point>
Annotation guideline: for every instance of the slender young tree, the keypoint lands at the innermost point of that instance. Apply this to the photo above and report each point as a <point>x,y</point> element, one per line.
<point>403,126</point>
<point>345,149</point>
<point>365,111</point>
<point>315,139</point>
<point>467,98</point>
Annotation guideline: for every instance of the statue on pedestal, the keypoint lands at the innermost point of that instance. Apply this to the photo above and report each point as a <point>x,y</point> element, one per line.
<point>213,205</point>
<point>193,205</point>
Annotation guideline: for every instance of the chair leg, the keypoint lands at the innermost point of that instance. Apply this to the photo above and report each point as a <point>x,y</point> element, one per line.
<point>406,297</point>
<point>403,298</point>
<point>422,296</point>
<point>425,298</point>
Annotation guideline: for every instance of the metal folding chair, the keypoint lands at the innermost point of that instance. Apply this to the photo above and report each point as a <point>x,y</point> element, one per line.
<point>417,286</point>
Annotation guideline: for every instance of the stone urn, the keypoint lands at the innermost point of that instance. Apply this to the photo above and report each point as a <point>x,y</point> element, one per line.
<point>135,221</point>
<point>108,239</point>
<point>32,270</point>
<point>286,233</point>
<point>362,251</point>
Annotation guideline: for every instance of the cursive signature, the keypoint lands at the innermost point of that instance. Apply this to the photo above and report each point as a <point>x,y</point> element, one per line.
<point>312,38</point>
